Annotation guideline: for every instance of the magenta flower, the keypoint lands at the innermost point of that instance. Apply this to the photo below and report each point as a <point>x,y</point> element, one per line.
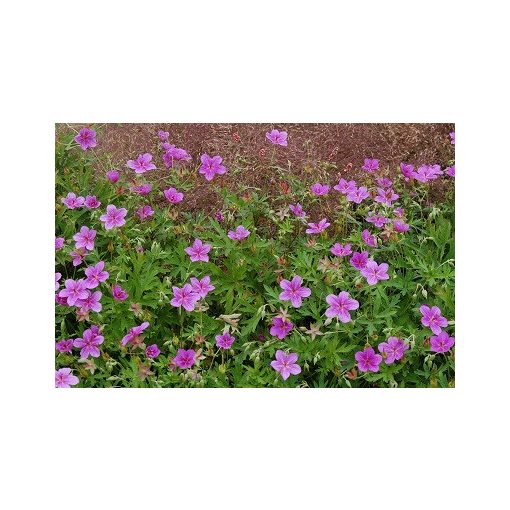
<point>142,189</point>
<point>280,327</point>
<point>286,364</point>
<point>185,358</point>
<point>89,343</point>
<point>297,210</point>
<point>239,233</point>
<point>452,137</point>
<point>340,306</point>
<point>277,137</point>
<point>145,212</point>
<point>64,346</point>
<point>368,360</point>
<point>384,182</point>
<point>86,138</point>
<point>224,341</point>
<point>64,378</point>
<point>359,260</point>
<point>317,228</point>
<point>432,318</point>
<point>91,202</point>
<point>211,166</point>
<point>134,334</point>
<point>407,171</point>
<point>114,217</point>
<point>293,291</point>
<point>357,196</point>
<point>340,250</point>
<point>85,238</point>
<point>368,238</point>
<point>118,293</point>
<point>399,212</point>
<point>59,242</point>
<point>78,255</point>
<point>319,189</point>
<point>374,272</point>
<point>378,220</point>
<point>91,302</point>
<point>386,196</point>
<point>393,349</point>
<point>202,287</point>
<point>173,196</point>
<point>450,171</point>
<point>74,291</point>
<point>184,297</point>
<point>163,135</point>
<point>95,275</point>
<point>174,154</point>
<point>400,226</point>
<point>198,251</point>
<point>442,342</point>
<point>345,187</point>
<point>219,217</point>
<point>72,201</point>
<point>57,278</point>
<point>142,163</point>
<point>152,351</point>
<point>370,165</point>
<point>427,173</point>
<point>113,176</point>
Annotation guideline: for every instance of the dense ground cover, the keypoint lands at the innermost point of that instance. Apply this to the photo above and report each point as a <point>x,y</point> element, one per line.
<point>321,284</point>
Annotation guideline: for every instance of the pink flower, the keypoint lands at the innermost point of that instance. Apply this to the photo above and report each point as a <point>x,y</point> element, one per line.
<point>368,360</point>
<point>297,210</point>
<point>86,138</point>
<point>400,226</point>
<point>357,196</point>
<point>340,250</point>
<point>163,135</point>
<point>378,220</point>
<point>211,166</point>
<point>368,239</point>
<point>450,171</point>
<point>340,306</point>
<point>280,327</point>
<point>118,293</point>
<point>384,182</point>
<point>152,351</point>
<point>393,349</point>
<point>145,212</point>
<point>293,291</point>
<point>399,212</point>
<point>427,173</point>
<point>95,275</point>
<point>142,164</point>
<point>286,364</point>
<point>359,260</point>
<point>72,201</point>
<point>173,196</point>
<point>277,137</point>
<point>224,341</point>
<point>64,345</point>
<point>85,238</point>
<point>317,228</point>
<point>91,202</point>
<point>185,358</point>
<point>173,154</point>
<point>239,233</point>
<point>345,187</point>
<point>184,297</point>
<point>407,171</point>
<point>386,196</point>
<point>57,278</point>
<point>91,302</point>
<point>113,176</point>
<point>202,287</point>
<point>134,333</point>
<point>114,217</point>
<point>64,378</point>
<point>432,318</point>
<point>74,291</point>
<point>319,189</point>
<point>370,165</point>
<point>374,272</point>
<point>198,251</point>
<point>59,242</point>
<point>89,343</point>
<point>442,342</point>
<point>78,255</point>
<point>142,189</point>
<point>452,137</point>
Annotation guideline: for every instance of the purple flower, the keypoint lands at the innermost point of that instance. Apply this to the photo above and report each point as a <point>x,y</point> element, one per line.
<point>142,189</point>
<point>185,358</point>
<point>359,260</point>
<point>450,171</point>
<point>442,342</point>
<point>114,217</point>
<point>370,165</point>
<point>91,302</point>
<point>91,202</point>
<point>374,272</point>
<point>286,364</point>
<point>432,318</point>
<point>407,171</point>
<point>280,327</point>
<point>173,196</point>
<point>239,233</point>
<point>74,291</point>
<point>384,182</point>
<point>345,187</point>
<point>113,176</point>
<point>452,137</point>
<point>72,201</point>
<point>184,297</point>
<point>277,137</point>
<point>427,173</point>
<point>202,287</point>
<point>340,250</point>
<point>224,341</point>
<point>85,238</point>
<point>293,291</point>
<point>78,255</point>
<point>57,278</point>
<point>319,189</point>
<point>219,217</point>
<point>386,196</point>
<point>368,360</point>
<point>211,166</point>
<point>297,210</point>
<point>357,196</point>
<point>95,275</point>
<point>89,343</point>
<point>378,220</point>
<point>340,306</point>
<point>142,163</point>
<point>118,293</point>
<point>198,251</point>
<point>134,333</point>
<point>64,345</point>
<point>86,138</point>
<point>317,228</point>
<point>163,135</point>
<point>64,378</point>
<point>400,226</point>
<point>144,212</point>
<point>173,154</point>
<point>368,238</point>
<point>399,212</point>
<point>59,242</point>
<point>152,351</point>
<point>393,349</point>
